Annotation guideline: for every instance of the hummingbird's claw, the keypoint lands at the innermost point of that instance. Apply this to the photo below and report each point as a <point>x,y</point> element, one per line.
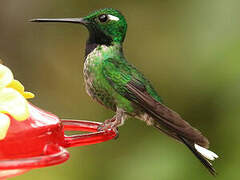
<point>110,124</point>
<point>117,133</point>
<point>107,127</point>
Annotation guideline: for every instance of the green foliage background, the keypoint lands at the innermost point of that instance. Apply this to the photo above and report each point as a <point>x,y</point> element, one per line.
<point>190,50</point>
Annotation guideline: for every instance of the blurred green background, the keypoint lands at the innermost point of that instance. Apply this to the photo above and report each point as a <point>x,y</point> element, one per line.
<point>190,50</point>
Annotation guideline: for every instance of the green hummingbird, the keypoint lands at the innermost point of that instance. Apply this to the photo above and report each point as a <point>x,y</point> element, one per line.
<point>118,85</point>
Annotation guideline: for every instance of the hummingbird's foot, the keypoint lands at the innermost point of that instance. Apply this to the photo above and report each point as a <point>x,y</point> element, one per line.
<point>114,123</point>
<point>109,124</point>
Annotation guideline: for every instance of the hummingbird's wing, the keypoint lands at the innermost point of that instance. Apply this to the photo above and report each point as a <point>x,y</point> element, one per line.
<point>132,85</point>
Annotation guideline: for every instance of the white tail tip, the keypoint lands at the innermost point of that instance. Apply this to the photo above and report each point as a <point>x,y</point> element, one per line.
<point>206,153</point>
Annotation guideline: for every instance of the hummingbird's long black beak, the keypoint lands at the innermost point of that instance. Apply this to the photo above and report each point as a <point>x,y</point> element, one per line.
<point>62,20</point>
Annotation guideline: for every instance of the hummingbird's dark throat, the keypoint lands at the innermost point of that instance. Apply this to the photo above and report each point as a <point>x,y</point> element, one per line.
<point>96,37</point>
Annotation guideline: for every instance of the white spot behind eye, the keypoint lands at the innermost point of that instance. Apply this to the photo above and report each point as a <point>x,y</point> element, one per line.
<point>113,18</point>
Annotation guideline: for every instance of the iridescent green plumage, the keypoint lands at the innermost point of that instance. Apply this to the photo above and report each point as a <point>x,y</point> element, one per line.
<point>119,86</point>
<point>106,70</point>
<point>107,73</point>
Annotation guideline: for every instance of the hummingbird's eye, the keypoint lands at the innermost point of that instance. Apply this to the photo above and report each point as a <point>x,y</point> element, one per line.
<point>103,18</point>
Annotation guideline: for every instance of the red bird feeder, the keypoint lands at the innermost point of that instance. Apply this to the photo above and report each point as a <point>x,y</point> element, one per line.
<point>32,138</point>
<point>39,141</point>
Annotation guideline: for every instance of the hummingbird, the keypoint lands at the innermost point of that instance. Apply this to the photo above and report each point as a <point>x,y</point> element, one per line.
<point>118,85</point>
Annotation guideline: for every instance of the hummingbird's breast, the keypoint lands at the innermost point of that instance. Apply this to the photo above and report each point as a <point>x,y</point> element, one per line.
<point>96,85</point>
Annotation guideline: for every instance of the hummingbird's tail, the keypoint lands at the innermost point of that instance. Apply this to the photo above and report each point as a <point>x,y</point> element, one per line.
<point>202,154</point>
<point>171,123</point>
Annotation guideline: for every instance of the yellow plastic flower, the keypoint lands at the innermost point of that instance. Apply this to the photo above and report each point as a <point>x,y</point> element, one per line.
<point>12,100</point>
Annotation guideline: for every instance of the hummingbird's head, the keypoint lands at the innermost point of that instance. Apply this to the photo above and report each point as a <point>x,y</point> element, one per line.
<point>105,25</point>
